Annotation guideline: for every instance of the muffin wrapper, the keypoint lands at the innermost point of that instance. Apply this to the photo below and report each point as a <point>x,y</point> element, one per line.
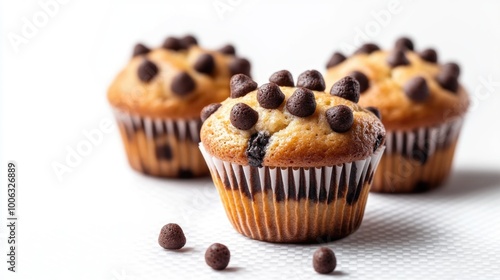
<point>294,204</point>
<point>162,147</point>
<point>417,160</point>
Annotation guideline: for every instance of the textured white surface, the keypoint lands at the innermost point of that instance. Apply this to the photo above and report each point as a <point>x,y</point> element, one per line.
<point>102,220</point>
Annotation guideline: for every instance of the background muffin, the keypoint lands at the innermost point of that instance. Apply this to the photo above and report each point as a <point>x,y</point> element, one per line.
<point>292,163</point>
<point>157,99</point>
<point>422,107</point>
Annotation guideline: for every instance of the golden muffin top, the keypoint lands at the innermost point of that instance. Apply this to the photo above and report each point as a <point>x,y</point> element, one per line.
<point>280,124</point>
<point>175,80</point>
<point>411,89</point>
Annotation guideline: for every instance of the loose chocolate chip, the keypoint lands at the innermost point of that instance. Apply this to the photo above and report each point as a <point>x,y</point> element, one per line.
<point>404,43</point>
<point>188,41</point>
<point>302,103</point>
<point>397,58</point>
<point>217,256</point>
<point>451,68</point>
<point>416,89</point>
<point>140,49</point>
<point>227,49</point>
<point>324,260</point>
<point>147,71</point>
<point>241,84</point>
<point>340,118</point>
<point>312,80</point>
<point>172,237</point>
<point>362,79</point>
<point>375,111</point>
<point>367,48</point>
<point>336,59</point>
<point>282,78</point>
<point>205,64</point>
<point>447,80</point>
<point>256,150</point>
<point>209,110</point>
<point>347,88</point>
<point>182,84</point>
<point>239,66</point>
<point>429,55</point>
<point>243,117</point>
<point>270,96</point>
<point>172,43</point>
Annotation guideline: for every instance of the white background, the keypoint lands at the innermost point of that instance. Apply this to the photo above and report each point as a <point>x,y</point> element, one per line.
<point>102,219</point>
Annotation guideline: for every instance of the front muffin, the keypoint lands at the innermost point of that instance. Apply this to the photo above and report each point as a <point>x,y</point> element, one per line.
<point>292,163</point>
<point>157,99</point>
<point>422,106</point>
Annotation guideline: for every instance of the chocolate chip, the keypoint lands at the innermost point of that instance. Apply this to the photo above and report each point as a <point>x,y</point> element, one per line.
<point>404,43</point>
<point>147,71</point>
<point>256,150</point>
<point>209,110</point>
<point>312,80</point>
<point>335,60</point>
<point>347,88</point>
<point>243,117</point>
<point>416,89</point>
<point>172,43</point>
<point>241,84</point>
<point>340,118</point>
<point>282,78</point>
<point>375,111</point>
<point>182,84</point>
<point>447,80</point>
<point>205,64</point>
<point>367,48</point>
<point>429,55</point>
<point>164,152</point>
<point>217,256</point>
<point>140,49</point>
<point>397,58</point>
<point>185,173</point>
<point>378,142</point>
<point>188,41</point>
<point>324,260</point>
<point>227,49</point>
<point>451,68</point>
<point>362,79</point>
<point>270,96</point>
<point>302,103</point>
<point>172,237</point>
<point>239,66</point>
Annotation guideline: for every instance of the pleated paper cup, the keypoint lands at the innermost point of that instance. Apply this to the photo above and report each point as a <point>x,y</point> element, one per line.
<point>162,147</point>
<point>417,160</point>
<point>294,205</point>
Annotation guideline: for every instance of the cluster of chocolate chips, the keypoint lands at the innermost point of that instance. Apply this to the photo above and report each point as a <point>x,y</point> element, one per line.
<point>183,84</point>
<point>416,89</point>
<point>302,103</point>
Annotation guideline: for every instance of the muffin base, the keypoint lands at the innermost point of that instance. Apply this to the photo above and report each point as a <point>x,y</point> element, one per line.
<point>294,205</point>
<point>162,147</point>
<point>417,161</point>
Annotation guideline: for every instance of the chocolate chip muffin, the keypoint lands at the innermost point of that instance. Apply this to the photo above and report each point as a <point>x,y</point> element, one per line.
<point>422,106</point>
<point>157,99</point>
<point>291,162</point>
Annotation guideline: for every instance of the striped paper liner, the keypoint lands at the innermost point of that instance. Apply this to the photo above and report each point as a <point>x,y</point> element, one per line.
<point>294,204</point>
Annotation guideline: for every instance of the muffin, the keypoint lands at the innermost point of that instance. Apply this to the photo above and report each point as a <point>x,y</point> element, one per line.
<point>422,106</point>
<point>157,99</point>
<point>292,163</point>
